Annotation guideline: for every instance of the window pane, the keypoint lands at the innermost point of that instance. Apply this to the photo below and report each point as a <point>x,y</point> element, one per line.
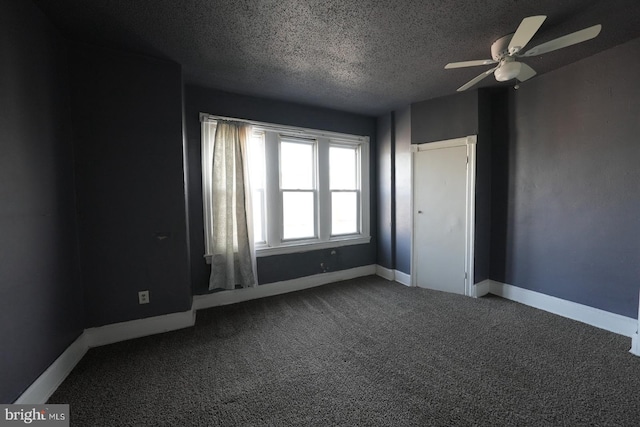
<point>258,216</point>
<point>343,170</point>
<point>296,166</point>
<point>298,214</point>
<point>344,212</point>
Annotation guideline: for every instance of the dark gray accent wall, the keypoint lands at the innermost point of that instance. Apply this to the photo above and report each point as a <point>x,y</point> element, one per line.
<point>404,227</point>
<point>386,190</point>
<point>500,123</point>
<point>572,197</point>
<point>444,118</point>
<point>40,291</point>
<point>484,146</point>
<point>279,267</point>
<point>127,116</point>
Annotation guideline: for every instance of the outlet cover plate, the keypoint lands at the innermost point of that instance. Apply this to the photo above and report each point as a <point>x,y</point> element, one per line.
<point>143,297</point>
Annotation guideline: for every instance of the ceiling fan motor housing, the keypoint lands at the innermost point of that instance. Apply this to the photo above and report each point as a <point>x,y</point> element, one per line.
<point>509,68</point>
<point>500,47</point>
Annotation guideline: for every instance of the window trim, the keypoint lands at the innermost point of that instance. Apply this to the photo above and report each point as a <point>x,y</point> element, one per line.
<point>273,201</point>
<point>263,198</point>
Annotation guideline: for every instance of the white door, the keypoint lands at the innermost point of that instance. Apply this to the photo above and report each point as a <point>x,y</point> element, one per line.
<point>440,218</point>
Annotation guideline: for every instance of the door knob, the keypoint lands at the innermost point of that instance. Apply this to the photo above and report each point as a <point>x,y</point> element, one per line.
<point>419,211</point>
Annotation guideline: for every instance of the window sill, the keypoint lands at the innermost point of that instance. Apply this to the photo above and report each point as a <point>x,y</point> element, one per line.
<point>306,246</point>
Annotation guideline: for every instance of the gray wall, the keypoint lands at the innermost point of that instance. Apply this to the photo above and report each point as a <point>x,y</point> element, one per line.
<point>127,116</point>
<point>40,292</point>
<point>556,183</point>
<point>386,191</point>
<point>444,118</point>
<point>571,200</point>
<point>404,228</point>
<point>279,267</point>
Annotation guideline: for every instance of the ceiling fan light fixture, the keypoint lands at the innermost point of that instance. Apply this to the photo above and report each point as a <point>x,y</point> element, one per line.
<point>508,71</point>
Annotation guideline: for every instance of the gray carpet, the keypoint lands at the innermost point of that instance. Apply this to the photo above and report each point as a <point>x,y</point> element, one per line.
<point>362,352</point>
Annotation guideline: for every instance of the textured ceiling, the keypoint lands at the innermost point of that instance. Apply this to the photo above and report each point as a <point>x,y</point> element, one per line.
<point>364,56</point>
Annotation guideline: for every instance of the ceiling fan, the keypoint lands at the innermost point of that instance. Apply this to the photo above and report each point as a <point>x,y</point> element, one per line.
<point>506,50</point>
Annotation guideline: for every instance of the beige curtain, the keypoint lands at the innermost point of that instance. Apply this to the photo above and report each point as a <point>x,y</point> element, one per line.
<point>232,261</point>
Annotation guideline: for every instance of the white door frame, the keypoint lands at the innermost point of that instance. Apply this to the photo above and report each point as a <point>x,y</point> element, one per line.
<point>470,143</point>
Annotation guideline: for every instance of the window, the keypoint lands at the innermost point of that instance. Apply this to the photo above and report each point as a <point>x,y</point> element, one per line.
<point>310,189</point>
<point>298,188</point>
<point>343,173</point>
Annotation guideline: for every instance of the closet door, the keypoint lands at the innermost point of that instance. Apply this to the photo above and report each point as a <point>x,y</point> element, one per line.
<point>440,218</point>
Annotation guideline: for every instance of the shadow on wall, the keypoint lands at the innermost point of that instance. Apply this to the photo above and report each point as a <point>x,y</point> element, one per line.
<point>503,125</point>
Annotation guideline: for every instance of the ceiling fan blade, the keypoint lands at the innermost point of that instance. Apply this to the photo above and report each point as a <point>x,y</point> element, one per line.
<point>526,72</point>
<point>525,32</point>
<point>565,41</point>
<point>476,80</point>
<point>469,63</point>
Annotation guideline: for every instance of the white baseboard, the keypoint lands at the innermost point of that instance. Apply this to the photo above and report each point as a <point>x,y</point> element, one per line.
<point>402,278</point>
<point>123,331</point>
<point>635,344</point>
<point>635,338</point>
<point>43,387</point>
<point>612,322</point>
<point>385,273</point>
<point>482,288</point>
<point>231,297</point>
<point>395,275</point>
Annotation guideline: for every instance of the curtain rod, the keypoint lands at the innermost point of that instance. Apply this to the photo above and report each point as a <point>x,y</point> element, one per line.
<point>284,128</point>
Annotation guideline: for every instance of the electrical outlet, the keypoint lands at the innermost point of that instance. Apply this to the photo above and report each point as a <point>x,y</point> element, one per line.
<point>143,297</point>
